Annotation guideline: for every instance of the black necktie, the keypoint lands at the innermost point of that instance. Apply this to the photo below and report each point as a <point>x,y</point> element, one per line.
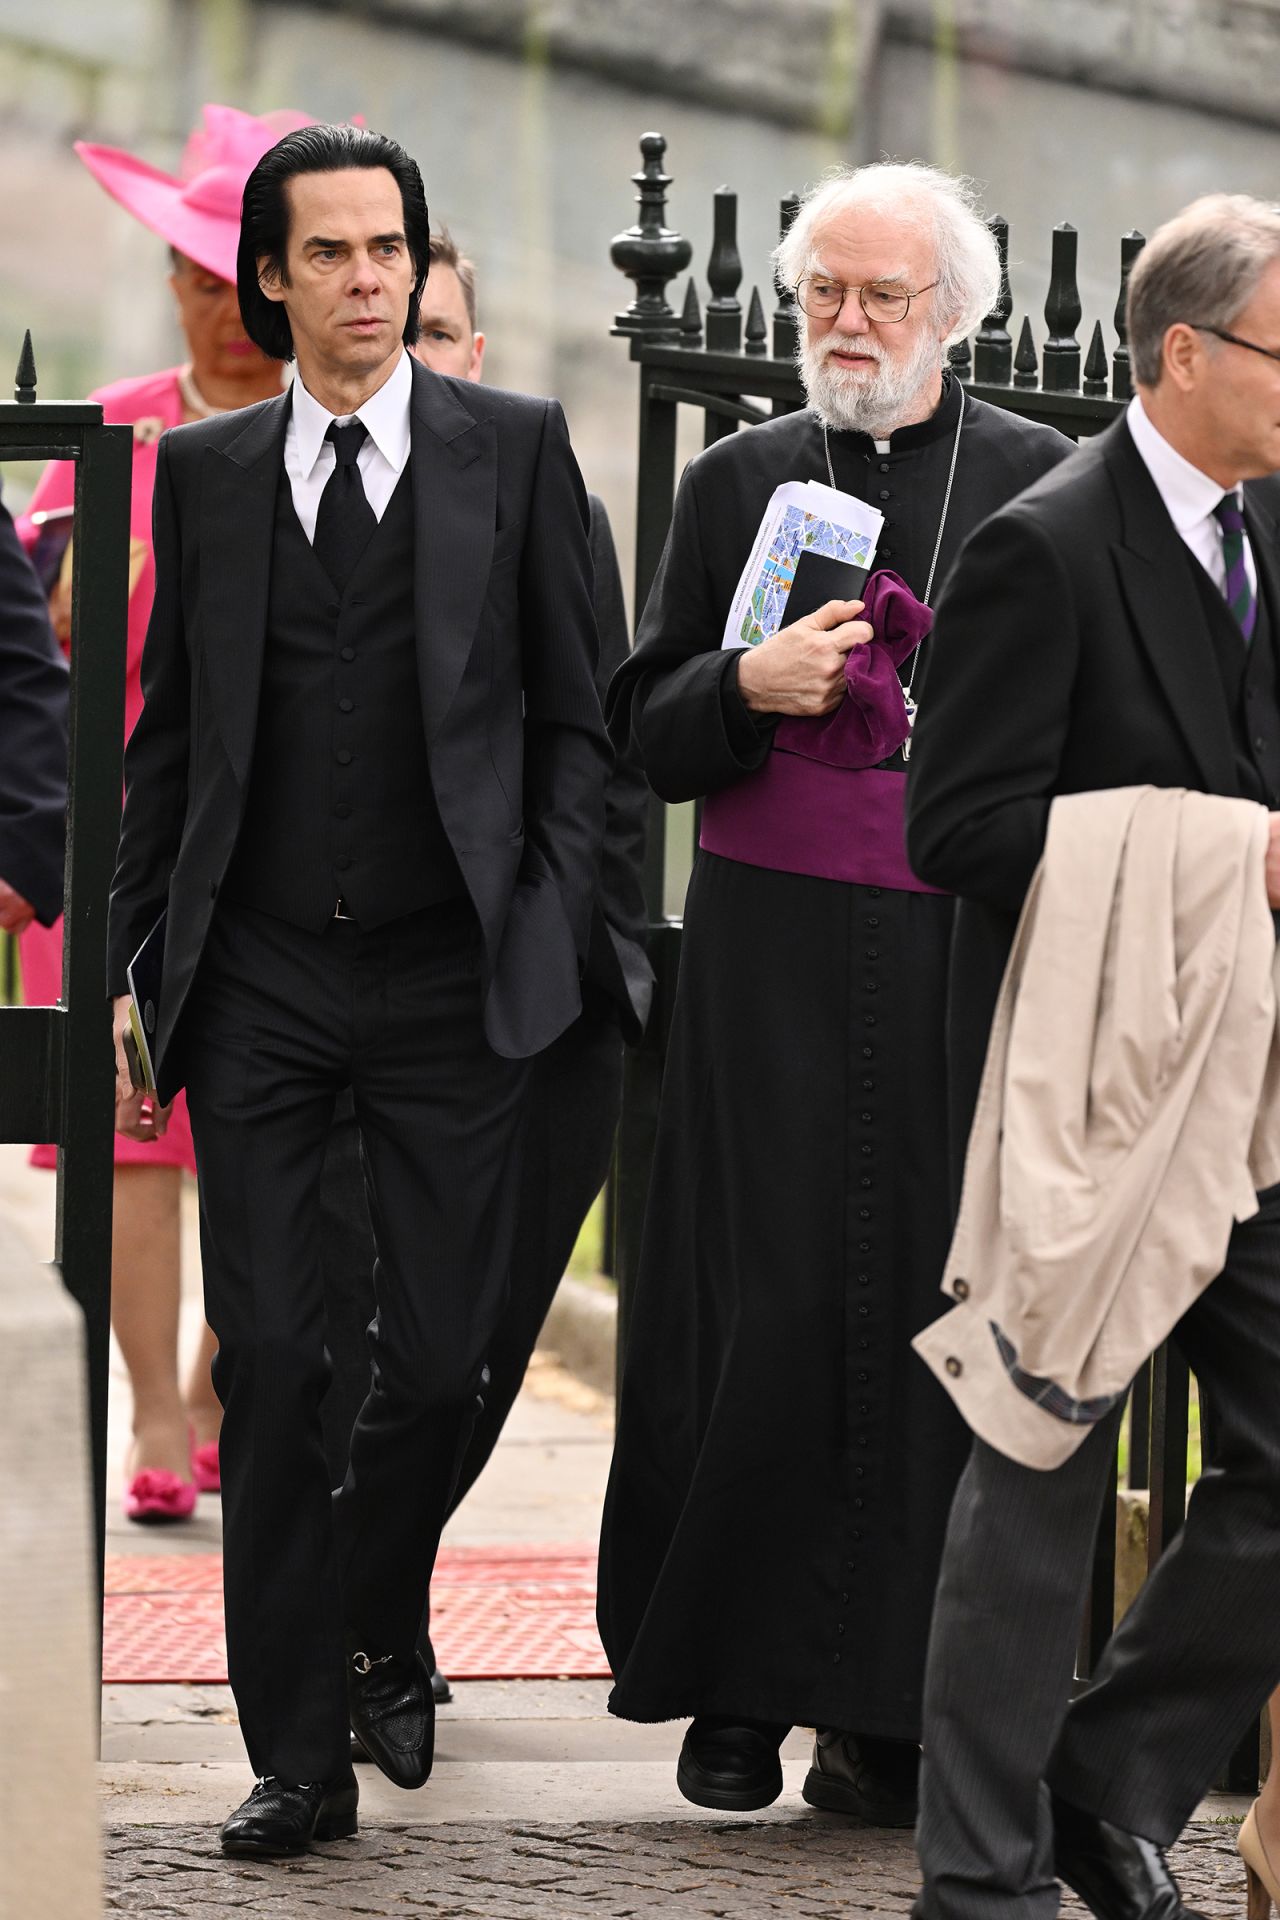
<point>345,521</point>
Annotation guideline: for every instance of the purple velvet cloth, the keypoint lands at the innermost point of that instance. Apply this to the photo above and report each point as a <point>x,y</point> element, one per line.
<point>820,805</point>
<point>872,722</point>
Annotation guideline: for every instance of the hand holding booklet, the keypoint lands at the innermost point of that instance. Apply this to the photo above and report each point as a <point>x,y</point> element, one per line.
<point>814,544</point>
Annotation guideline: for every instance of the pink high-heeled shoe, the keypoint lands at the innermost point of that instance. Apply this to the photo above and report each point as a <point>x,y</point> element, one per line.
<point>154,1495</point>
<point>205,1467</point>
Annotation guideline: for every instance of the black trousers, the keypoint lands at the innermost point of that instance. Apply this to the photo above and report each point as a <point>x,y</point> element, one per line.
<point>574,1093</point>
<point>1183,1675</point>
<point>281,1022</point>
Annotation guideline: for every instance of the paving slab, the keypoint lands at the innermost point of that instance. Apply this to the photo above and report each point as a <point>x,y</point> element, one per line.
<point>814,1868</point>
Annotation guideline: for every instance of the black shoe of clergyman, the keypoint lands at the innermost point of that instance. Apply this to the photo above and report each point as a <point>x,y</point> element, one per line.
<point>393,1713</point>
<point>875,1781</point>
<point>732,1766</point>
<point>1118,1875</point>
<point>278,1822</point>
<point>441,1691</point>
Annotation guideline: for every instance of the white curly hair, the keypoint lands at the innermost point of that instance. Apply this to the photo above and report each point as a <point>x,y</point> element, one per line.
<point>944,204</point>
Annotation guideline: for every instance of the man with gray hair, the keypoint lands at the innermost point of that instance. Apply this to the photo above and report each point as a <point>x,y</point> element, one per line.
<point>1116,625</point>
<point>784,1465</point>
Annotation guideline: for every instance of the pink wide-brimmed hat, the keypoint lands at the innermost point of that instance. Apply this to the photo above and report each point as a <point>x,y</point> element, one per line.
<point>199,211</point>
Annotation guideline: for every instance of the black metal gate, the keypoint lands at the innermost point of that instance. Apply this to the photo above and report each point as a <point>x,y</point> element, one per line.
<point>56,1068</point>
<point>738,368</point>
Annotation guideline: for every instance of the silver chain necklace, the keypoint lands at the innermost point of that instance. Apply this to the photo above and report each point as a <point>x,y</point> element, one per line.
<point>907,693</point>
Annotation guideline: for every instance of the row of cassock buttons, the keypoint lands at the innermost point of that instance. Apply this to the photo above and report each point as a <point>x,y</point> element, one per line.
<point>865,1245</point>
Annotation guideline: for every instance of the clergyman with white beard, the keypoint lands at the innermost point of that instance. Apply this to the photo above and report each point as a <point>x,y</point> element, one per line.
<point>784,1464</point>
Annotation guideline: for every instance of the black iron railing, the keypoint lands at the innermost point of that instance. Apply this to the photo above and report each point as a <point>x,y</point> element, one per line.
<point>56,1070</point>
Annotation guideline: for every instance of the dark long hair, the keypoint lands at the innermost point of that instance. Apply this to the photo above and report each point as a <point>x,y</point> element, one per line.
<point>264,220</point>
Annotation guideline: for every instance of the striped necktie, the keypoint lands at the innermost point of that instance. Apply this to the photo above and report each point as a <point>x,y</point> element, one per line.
<point>1238,589</point>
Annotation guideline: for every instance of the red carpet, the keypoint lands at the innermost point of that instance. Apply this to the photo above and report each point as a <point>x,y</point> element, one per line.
<point>497,1613</point>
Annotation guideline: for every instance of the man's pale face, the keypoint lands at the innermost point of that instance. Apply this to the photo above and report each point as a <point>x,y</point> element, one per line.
<point>1241,390</point>
<point>859,372</point>
<point>447,343</point>
<point>350,272</point>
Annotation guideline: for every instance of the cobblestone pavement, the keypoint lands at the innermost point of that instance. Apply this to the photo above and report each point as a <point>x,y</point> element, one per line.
<point>813,1870</point>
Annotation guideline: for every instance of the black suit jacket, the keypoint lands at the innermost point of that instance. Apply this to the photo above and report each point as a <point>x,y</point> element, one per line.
<point>507,655</point>
<point>617,964</point>
<point>33,735</point>
<point>1070,652</point>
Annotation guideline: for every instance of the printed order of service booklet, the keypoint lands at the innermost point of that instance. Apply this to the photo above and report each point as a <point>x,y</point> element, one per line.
<point>804,520</point>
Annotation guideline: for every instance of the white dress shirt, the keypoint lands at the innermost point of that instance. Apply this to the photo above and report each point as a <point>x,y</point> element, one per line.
<point>309,458</point>
<point>1189,495</point>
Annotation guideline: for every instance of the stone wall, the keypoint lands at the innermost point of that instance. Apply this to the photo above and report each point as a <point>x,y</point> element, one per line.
<point>797,62</point>
<point>804,62</point>
<point>1224,55</point>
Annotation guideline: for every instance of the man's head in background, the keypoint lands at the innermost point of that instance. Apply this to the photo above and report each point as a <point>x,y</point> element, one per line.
<point>448,341</point>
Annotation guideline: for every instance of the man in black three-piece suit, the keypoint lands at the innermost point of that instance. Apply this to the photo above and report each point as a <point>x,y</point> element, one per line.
<point>1117,625</point>
<point>368,783</point>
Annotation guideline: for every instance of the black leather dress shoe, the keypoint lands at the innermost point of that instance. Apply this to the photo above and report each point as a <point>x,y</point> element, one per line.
<point>1118,1875</point>
<point>732,1766</point>
<point>441,1693</point>
<point>875,1781</point>
<point>277,1822</point>
<point>393,1713</point>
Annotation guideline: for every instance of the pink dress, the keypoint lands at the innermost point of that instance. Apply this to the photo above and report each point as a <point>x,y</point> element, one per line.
<point>150,404</point>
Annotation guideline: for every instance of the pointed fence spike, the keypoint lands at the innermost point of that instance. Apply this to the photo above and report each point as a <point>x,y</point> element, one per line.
<point>691,316</point>
<point>992,346</point>
<point>1062,315</point>
<point>24,380</point>
<point>1095,366</point>
<point>649,253</point>
<point>724,276</point>
<point>1131,245</point>
<point>1026,372</point>
<point>757,328</point>
<point>785,319</point>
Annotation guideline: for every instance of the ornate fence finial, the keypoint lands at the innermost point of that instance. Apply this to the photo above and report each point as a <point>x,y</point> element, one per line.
<point>785,322</point>
<point>724,276</point>
<point>1062,315</point>
<point>960,359</point>
<point>24,380</point>
<point>992,346</point>
<point>650,253</point>
<point>1131,246</point>
<point>757,327</point>
<point>691,316</point>
<point>1025,366</point>
<point>1095,365</point>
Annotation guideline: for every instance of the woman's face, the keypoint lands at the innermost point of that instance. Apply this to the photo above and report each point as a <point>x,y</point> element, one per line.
<point>209,311</point>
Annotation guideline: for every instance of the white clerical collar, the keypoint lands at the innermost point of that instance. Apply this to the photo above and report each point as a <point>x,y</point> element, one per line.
<point>1189,495</point>
<point>385,415</point>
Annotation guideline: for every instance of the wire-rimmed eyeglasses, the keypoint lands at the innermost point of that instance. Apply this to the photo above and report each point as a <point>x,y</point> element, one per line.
<point>1236,340</point>
<point>883,302</point>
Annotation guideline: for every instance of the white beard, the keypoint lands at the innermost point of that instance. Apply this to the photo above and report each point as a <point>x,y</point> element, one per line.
<point>874,402</point>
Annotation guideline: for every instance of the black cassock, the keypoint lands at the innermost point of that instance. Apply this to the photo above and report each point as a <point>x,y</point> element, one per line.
<point>784,1464</point>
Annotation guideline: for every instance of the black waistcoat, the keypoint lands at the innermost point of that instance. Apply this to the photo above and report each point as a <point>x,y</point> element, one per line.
<point>340,801</point>
<point>1251,682</point>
